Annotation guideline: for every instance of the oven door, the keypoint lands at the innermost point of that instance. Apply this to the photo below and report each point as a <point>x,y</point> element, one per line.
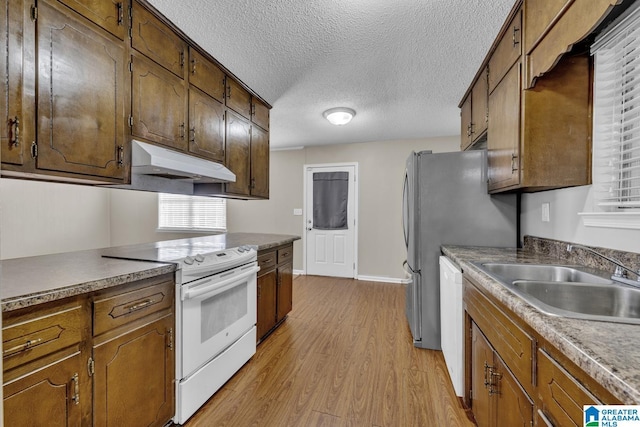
<point>216,311</point>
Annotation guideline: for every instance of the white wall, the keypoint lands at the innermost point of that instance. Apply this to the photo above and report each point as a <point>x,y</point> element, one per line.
<point>565,224</point>
<point>42,218</point>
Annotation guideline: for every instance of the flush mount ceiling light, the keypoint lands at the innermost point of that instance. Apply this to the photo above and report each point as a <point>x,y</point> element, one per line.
<point>339,116</point>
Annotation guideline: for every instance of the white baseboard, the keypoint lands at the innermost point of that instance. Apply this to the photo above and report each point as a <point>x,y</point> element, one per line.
<point>383,279</point>
<point>367,278</point>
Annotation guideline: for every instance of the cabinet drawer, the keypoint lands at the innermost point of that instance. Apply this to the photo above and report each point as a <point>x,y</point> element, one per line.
<point>507,52</point>
<point>285,254</point>
<point>513,345</point>
<point>562,396</point>
<point>266,260</point>
<point>29,340</point>
<point>116,310</point>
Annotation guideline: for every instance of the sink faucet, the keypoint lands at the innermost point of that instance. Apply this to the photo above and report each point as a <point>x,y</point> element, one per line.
<point>620,274</point>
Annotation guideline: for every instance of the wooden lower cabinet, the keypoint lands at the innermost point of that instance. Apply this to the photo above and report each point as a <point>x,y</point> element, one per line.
<point>49,396</point>
<point>514,377</point>
<point>58,371</point>
<point>497,397</point>
<point>275,288</point>
<point>133,379</point>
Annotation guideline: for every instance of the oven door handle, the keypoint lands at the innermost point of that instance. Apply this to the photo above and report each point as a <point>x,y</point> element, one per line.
<point>217,287</point>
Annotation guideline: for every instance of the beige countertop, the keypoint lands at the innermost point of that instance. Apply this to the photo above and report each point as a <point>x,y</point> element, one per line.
<point>606,351</point>
<point>34,280</point>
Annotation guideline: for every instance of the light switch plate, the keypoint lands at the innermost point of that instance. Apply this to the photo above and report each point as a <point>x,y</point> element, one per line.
<point>297,212</point>
<point>545,212</point>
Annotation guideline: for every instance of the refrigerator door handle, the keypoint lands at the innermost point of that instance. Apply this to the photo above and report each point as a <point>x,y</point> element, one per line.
<point>405,209</point>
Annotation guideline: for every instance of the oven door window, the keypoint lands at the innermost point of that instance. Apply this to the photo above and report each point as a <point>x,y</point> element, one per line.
<point>213,321</point>
<point>222,310</point>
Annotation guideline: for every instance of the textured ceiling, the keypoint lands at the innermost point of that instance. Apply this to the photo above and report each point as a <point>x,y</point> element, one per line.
<point>403,65</point>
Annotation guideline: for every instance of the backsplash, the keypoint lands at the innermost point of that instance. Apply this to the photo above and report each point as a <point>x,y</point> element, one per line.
<point>558,249</point>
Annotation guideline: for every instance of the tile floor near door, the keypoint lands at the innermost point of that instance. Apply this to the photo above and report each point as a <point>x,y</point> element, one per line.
<point>343,357</point>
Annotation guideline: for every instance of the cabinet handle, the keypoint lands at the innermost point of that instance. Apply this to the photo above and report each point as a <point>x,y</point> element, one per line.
<point>193,134</point>
<point>253,109</point>
<point>516,40</point>
<point>253,183</point>
<point>193,66</point>
<point>228,92</point>
<point>182,131</point>
<point>170,338</point>
<point>514,163</point>
<point>120,13</point>
<point>16,132</point>
<point>76,389</point>
<point>141,305</point>
<point>120,155</point>
<point>20,348</point>
<point>181,59</point>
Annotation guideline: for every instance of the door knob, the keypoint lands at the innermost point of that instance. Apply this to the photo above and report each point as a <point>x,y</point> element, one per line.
<point>309,228</point>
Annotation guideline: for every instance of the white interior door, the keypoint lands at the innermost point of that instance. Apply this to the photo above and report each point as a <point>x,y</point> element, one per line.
<point>330,245</point>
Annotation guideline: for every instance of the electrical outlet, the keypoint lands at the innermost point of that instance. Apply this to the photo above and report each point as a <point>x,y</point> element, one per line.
<point>297,212</point>
<point>545,212</point>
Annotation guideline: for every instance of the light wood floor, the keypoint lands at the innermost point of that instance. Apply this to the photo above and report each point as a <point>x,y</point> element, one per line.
<point>344,357</point>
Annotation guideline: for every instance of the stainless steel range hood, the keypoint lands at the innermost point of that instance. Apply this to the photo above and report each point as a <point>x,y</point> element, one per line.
<point>162,170</point>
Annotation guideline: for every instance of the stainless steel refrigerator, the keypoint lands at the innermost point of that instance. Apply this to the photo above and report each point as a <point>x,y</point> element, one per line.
<point>445,201</point>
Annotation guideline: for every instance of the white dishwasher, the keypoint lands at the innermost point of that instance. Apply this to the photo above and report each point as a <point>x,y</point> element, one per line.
<point>452,322</point>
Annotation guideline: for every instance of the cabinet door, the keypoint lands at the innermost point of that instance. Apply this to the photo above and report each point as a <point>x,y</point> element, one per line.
<point>513,407</point>
<point>561,394</point>
<point>80,92</point>
<point>259,162</point>
<point>238,99</point>
<point>238,152</point>
<point>54,390</point>
<point>285,290</point>
<point>267,287</point>
<point>465,123</point>
<point>503,140</point>
<point>16,91</point>
<point>259,114</point>
<point>507,52</point>
<point>481,361</point>
<point>134,377</point>
<point>157,41</point>
<point>479,106</point>
<point>159,105</point>
<point>205,75</point>
<point>206,126</point>
<point>109,14</point>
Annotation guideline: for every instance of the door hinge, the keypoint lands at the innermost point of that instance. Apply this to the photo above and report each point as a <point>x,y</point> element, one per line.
<point>130,66</point>
<point>34,12</point>
<point>76,389</point>
<point>34,150</point>
<point>91,366</point>
<point>170,338</point>
<point>131,121</point>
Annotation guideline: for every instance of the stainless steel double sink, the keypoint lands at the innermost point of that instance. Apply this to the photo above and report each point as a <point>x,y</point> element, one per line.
<point>568,291</point>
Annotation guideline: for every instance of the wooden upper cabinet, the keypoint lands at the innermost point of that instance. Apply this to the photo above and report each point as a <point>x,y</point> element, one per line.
<point>238,99</point>
<point>206,126</point>
<point>81,81</point>
<point>17,121</point>
<point>205,75</point>
<point>503,137</point>
<point>553,34</point>
<point>259,114</point>
<point>238,153</point>
<point>153,38</point>
<point>259,162</point>
<point>474,112</point>
<point>507,52</point>
<point>109,14</point>
<point>159,104</point>
<point>465,123</point>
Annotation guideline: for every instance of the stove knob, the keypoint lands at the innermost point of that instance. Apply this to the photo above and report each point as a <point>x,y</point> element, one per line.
<point>241,249</point>
<point>199,257</point>
<point>188,260</point>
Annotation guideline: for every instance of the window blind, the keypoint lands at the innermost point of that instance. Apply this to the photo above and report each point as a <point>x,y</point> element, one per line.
<point>180,212</point>
<point>616,116</point>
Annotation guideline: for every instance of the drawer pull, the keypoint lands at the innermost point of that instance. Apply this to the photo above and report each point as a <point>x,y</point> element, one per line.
<point>76,389</point>
<point>140,306</point>
<point>22,347</point>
